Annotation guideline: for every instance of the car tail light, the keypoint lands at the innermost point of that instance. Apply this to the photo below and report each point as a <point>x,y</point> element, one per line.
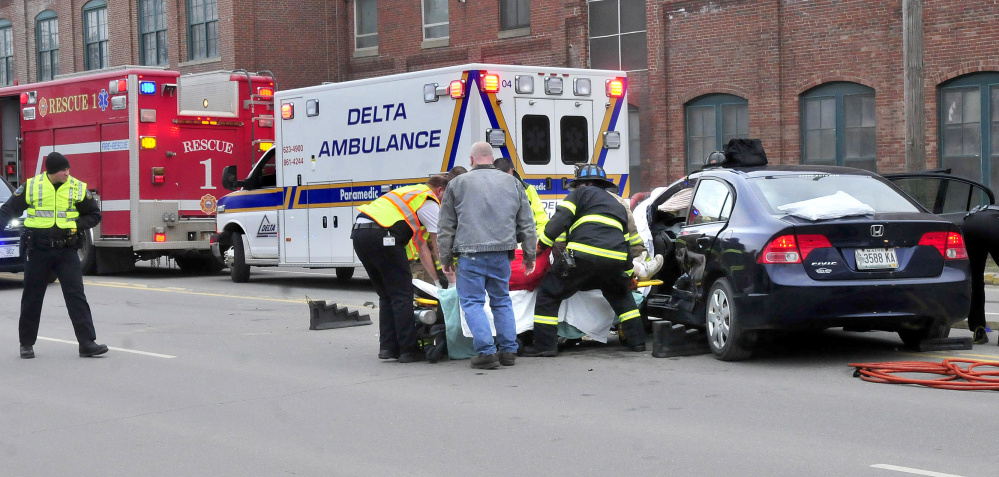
<point>783,249</point>
<point>949,244</point>
<point>807,243</point>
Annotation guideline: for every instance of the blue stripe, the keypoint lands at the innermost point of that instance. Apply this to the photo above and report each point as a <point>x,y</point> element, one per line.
<point>237,200</point>
<point>452,154</point>
<point>491,113</point>
<point>611,127</point>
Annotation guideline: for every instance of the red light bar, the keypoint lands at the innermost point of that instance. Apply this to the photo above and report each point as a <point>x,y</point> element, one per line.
<point>490,84</point>
<point>457,89</point>
<point>615,88</point>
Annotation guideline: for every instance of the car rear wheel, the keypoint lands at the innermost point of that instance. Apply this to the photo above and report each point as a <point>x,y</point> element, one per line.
<point>239,270</point>
<point>911,338</point>
<point>727,339</point>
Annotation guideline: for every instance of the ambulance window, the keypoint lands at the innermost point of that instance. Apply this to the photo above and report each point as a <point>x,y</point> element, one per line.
<point>537,141</point>
<point>575,140</point>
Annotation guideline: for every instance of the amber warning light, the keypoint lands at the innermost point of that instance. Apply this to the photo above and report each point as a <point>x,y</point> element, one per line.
<point>265,92</point>
<point>490,83</point>
<point>287,111</point>
<point>615,88</point>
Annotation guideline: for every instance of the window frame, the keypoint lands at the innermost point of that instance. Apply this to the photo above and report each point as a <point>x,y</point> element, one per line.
<point>717,101</point>
<point>48,17</point>
<point>619,35</point>
<point>193,51</point>
<point>160,46</point>
<point>987,84</point>
<point>6,53</point>
<point>838,91</point>
<point>95,8</point>
<point>357,25</point>
<point>446,22</point>
<point>504,5</point>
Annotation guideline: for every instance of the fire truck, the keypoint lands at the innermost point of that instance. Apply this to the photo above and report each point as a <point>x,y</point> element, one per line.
<point>151,145</point>
<point>342,145</point>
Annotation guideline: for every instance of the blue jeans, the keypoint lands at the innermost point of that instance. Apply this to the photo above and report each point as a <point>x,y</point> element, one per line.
<point>478,274</point>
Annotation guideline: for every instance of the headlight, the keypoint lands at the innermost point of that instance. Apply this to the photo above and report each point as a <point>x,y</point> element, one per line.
<point>13,224</point>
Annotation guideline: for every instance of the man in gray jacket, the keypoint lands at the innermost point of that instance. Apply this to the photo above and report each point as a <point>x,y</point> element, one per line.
<point>494,214</point>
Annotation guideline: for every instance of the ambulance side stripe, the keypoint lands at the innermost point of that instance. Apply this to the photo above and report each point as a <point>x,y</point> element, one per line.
<point>609,123</point>
<point>497,121</point>
<point>457,120</point>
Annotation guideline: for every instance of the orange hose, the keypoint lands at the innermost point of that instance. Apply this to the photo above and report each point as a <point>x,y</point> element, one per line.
<point>952,374</point>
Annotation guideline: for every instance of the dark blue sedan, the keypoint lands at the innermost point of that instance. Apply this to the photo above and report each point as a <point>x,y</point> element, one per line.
<point>11,256</point>
<point>785,247</point>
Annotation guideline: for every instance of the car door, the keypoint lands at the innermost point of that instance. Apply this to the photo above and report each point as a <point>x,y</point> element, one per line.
<point>948,196</point>
<point>707,217</point>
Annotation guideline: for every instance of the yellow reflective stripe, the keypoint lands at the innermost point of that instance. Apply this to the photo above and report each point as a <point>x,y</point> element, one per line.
<point>629,272</point>
<point>568,205</point>
<point>598,219</point>
<point>600,252</point>
<point>546,320</point>
<point>635,239</point>
<point>627,315</point>
<point>561,238</point>
<point>545,240</point>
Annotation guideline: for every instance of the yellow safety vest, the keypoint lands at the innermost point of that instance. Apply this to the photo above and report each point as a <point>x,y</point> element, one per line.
<point>399,204</point>
<point>48,207</point>
<point>537,209</point>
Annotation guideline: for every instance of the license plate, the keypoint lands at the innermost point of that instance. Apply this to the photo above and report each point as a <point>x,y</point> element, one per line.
<point>876,258</point>
<point>9,251</point>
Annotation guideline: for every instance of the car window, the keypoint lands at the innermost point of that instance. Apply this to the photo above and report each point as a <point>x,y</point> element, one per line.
<point>942,195</point>
<point>781,190</point>
<point>4,192</point>
<point>712,203</point>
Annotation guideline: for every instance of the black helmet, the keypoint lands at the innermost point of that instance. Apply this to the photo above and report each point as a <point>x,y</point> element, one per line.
<point>591,173</point>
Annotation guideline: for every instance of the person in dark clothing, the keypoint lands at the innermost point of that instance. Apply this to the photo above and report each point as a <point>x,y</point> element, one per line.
<point>59,209</point>
<point>981,237</point>
<point>597,244</point>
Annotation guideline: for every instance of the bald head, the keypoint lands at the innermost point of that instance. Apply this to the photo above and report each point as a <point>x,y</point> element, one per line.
<point>482,153</point>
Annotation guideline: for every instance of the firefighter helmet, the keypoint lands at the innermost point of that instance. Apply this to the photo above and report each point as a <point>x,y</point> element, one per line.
<point>591,173</point>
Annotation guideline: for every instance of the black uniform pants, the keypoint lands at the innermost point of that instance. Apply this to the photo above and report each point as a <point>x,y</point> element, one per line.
<point>608,277</point>
<point>65,263</point>
<point>981,237</point>
<point>388,268</point>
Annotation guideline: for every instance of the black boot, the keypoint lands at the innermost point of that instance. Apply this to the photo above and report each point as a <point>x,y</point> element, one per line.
<point>27,352</point>
<point>89,349</point>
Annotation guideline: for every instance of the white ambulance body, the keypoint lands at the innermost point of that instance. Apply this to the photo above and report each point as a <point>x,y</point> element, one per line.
<point>342,145</point>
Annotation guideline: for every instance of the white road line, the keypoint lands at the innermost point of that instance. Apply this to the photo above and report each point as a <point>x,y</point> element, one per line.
<point>123,350</point>
<point>909,470</point>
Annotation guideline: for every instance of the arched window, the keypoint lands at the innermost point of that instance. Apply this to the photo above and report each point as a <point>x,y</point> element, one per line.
<point>969,127</point>
<point>47,44</point>
<point>95,35</point>
<point>152,32</point>
<point>712,120</point>
<point>838,126</point>
<point>6,53</point>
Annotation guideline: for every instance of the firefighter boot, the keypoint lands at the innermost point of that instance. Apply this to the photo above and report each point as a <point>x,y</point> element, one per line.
<point>89,349</point>
<point>545,342</point>
<point>632,334</point>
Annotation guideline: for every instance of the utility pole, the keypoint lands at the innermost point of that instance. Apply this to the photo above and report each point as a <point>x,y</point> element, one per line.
<point>915,101</point>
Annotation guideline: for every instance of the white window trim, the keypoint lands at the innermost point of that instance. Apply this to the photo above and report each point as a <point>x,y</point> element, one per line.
<point>360,35</point>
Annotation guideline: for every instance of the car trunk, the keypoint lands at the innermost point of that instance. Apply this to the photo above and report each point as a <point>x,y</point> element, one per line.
<point>873,247</point>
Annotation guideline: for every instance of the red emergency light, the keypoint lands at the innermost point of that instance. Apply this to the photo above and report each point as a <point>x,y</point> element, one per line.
<point>615,88</point>
<point>287,111</point>
<point>265,92</point>
<point>457,89</point>
<point>159,175</point>
<point>490,84</point>
<point>24,98</point>
<point>159,237</point>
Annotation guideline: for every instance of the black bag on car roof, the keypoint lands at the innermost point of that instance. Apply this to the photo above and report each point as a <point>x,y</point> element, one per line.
<point>745,152</point>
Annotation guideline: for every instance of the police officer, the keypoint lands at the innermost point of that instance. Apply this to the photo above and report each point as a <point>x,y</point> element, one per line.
<point>381,232</point>
<point>597,242</point>
<point>59,208</point>
<point>981,237</point>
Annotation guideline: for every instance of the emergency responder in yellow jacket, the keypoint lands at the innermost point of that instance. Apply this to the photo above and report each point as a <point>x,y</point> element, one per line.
<point>59,209</point>
<point>381,232</point>
<point>597,251</point>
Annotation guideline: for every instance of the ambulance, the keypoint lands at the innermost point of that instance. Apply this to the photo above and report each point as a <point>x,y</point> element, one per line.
<point>151,145</point>
<point>341,145</point>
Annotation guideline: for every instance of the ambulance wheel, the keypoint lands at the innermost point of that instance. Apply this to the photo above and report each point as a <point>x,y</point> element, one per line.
<point>88,253</point>
<point>239,270</point>
<point>344,274</point>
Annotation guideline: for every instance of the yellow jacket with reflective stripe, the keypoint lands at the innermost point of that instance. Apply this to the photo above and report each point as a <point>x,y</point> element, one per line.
<point>48,206</point>
<point>537,209</point>
<point>399,204</point>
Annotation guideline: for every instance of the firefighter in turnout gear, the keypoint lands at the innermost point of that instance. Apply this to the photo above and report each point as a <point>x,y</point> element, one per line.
<point>59,209</point>
<point>596,256</point>
<point>381,233</point>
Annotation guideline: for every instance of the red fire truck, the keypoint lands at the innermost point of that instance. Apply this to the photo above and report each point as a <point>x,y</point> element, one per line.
<point>150,144</point>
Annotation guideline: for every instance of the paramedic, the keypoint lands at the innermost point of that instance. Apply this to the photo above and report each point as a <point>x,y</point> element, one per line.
<point>59,209</point>
<point>484,214</point>
<point>597,245</point>
<point>381,232</point>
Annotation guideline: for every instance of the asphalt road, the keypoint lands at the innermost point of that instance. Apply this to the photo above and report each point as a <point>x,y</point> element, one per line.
<point>208,377</point>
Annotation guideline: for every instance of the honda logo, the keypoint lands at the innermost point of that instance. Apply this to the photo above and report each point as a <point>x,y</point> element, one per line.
<point>877,230</point>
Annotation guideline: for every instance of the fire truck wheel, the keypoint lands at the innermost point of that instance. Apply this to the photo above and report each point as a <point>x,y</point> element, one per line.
<point>344,274</point>
<point>88,253</point>
<point>201,263</point>
<point>239,270</point>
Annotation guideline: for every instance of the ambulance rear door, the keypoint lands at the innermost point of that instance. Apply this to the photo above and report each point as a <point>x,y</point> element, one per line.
<point>553,135</point>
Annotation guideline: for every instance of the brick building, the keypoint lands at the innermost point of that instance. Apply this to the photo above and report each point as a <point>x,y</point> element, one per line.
<point>819,81</point>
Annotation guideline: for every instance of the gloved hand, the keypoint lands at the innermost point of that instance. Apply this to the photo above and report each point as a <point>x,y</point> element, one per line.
<point>442,280</point>
<point>646,267</point>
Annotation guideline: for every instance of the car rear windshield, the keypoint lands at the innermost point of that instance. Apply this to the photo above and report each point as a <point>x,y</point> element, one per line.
<point>787,189</point>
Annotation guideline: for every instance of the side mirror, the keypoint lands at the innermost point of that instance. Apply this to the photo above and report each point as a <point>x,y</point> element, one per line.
<point>229,178</point>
